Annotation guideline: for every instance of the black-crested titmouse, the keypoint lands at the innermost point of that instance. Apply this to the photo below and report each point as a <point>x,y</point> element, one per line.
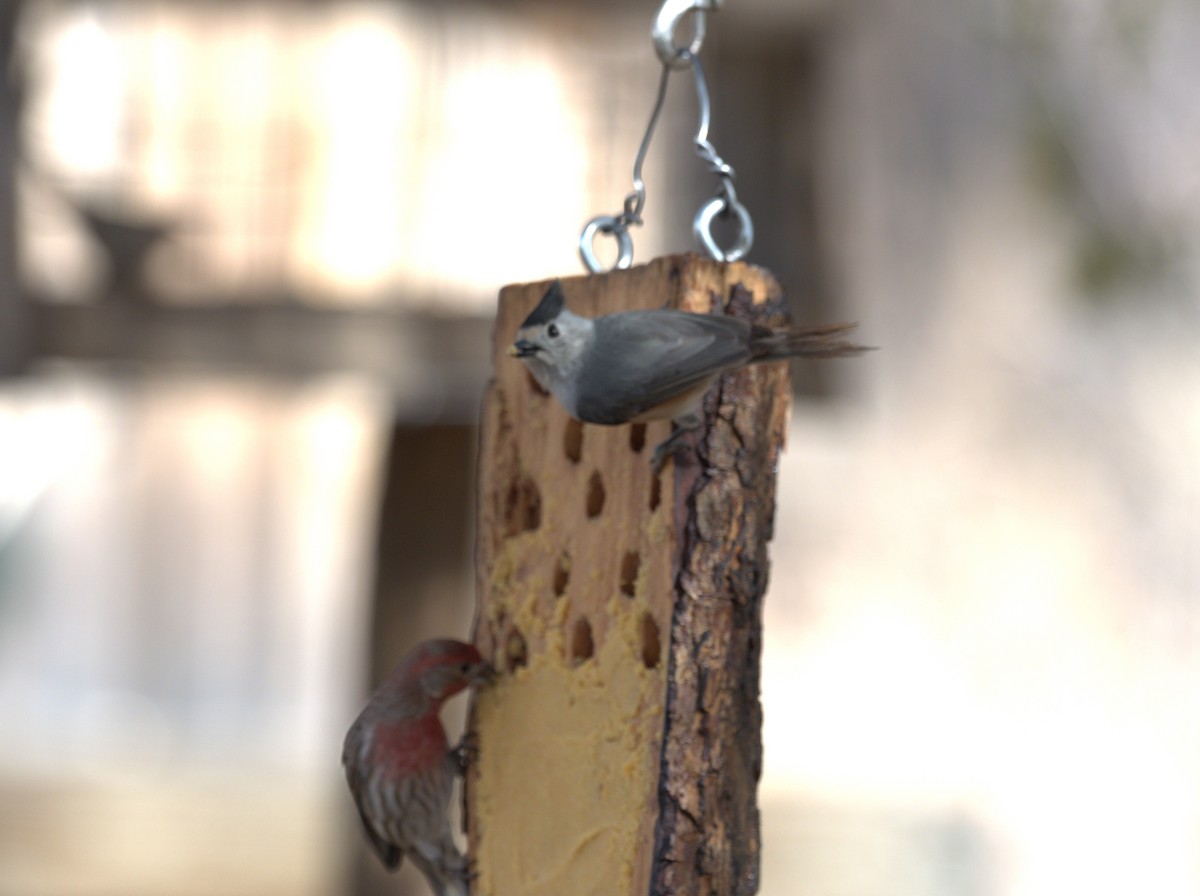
<point>636,366</point>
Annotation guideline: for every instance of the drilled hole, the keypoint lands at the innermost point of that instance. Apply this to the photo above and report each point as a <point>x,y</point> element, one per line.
<point>629,571</point>
<point>573,440</point>
<point>637,437</point>
<point>595,495</point>
<point>516,654</point>
<point>562,575</point>
<point>655,492</point>
<point>581,641</point>
<point>534,384</point>
<point>522,507</point>
<point>651,649</point>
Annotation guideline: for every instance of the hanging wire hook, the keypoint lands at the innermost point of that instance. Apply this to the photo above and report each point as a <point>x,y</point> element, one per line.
<point>704,147</point>
<point>725,203</point>
<point>635,201</point>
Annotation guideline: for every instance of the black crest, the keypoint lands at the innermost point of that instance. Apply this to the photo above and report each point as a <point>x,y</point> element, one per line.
<point>548,308</point>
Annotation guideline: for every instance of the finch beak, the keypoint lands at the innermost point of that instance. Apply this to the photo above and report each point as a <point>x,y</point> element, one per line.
<point>484,673</point>
<point>522,348</point>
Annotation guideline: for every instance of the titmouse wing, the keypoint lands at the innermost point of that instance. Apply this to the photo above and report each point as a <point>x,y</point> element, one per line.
<point>640,359</point>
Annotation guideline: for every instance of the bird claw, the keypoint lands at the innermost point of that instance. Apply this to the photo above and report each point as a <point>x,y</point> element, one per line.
<point>467,876</point>
<point>463,873</point>
<point>673,444</point>
<point>465,752</point>
<point>664,450</point>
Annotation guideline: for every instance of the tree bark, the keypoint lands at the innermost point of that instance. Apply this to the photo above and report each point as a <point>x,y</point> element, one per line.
<point>620,749</point>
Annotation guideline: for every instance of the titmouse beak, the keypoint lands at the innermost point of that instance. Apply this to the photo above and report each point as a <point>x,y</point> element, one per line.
<point>522,348</point>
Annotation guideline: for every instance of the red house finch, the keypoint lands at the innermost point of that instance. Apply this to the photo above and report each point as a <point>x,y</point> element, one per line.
<point>400,768</point>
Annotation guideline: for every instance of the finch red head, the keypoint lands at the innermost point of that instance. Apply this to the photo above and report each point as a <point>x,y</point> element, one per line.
<point>401,769</point>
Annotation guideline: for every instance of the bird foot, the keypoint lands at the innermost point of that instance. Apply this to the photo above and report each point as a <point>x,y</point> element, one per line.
<point>465,752</point>
<point>675,443</point>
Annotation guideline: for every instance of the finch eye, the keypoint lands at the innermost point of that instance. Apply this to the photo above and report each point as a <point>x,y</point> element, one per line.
<point>552,331</point>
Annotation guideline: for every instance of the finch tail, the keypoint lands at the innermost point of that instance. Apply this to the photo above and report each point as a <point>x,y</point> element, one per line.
<point>806,342</point>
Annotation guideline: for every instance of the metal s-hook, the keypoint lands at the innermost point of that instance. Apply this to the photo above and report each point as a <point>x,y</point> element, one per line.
<point>662,32</point>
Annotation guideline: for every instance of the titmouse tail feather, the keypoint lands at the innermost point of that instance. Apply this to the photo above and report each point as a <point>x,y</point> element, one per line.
<point>807,342</point>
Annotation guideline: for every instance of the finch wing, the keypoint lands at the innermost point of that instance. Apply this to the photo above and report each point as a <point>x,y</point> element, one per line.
<point>640,359</point>
<point>352,756</point>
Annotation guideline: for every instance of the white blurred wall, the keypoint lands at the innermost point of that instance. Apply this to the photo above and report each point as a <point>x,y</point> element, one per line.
<point>983,630</point>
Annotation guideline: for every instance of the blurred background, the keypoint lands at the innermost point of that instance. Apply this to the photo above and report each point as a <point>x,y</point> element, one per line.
<point>249,253</point>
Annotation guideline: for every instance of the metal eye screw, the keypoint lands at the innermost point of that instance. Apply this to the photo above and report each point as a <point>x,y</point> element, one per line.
<point>719,206</point>
<point>587,241</point>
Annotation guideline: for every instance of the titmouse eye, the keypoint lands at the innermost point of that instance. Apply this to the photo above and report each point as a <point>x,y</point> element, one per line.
<point>552,331</point>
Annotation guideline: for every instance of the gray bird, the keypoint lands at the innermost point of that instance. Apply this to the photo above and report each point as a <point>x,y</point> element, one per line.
<point>636,366</point>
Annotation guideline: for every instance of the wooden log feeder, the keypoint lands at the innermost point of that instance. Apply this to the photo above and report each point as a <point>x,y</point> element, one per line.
<point>620,749</point>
